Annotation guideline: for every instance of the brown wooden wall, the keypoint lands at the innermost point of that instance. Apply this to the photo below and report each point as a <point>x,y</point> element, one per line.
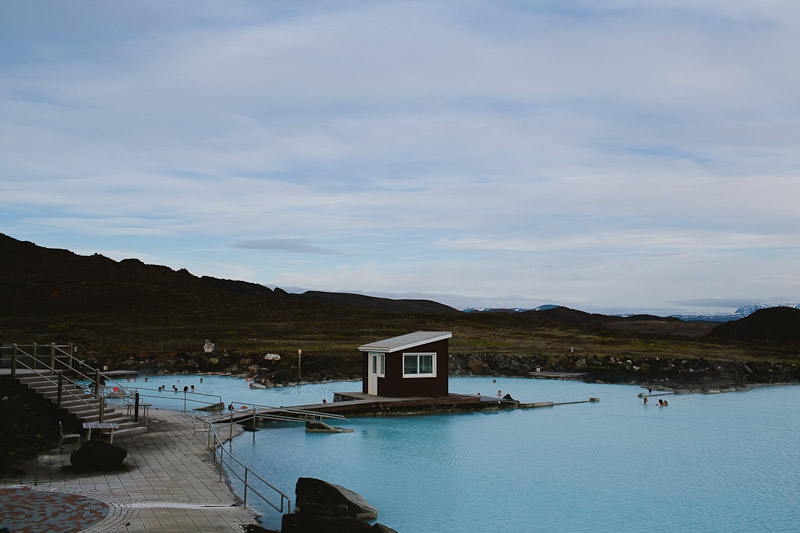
<point>395,385</point>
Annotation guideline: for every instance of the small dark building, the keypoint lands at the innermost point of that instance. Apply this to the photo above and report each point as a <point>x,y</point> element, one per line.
<point>415,364</point>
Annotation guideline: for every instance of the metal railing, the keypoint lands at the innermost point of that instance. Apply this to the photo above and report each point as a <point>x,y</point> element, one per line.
<point>60,359</point>
<point>12,354</point>
<point>46,368</point>
<point>294,415</point>
<point>62,364</point>
<point>289,414</point>
<point>188,397</point>
<point>249,474</point>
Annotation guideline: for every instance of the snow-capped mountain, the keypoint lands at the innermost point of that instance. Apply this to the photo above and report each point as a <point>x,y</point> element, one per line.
<point>507,309</point>
<point>746,310</point>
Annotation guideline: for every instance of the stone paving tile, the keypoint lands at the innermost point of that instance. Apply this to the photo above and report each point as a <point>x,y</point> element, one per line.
<point>166,483</point>
<point>25,509</point>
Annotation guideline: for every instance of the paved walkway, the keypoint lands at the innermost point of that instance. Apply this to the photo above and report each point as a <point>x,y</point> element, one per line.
<point>168,482</point>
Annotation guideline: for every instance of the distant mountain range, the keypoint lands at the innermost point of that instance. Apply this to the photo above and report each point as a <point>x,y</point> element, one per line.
<point>37,281</point>
<point>508,309</point>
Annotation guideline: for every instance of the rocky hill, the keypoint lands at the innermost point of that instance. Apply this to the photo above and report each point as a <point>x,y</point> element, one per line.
<point>774,324</point>
<point>378,304</point>
<point>154,317</point>
<point>37,281</point>
<point>573,316</point>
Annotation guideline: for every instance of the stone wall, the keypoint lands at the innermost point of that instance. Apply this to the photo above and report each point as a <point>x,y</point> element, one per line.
<point>657,371</point>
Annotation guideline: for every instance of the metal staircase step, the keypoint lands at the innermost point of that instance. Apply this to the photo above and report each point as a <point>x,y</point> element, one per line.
<point>77,403</point>
<point>84,406</point>
<point>45,385</point>
<point>72,395</point>
<point>94,416</point>
<point>37,378</point>
<point>88,412</point>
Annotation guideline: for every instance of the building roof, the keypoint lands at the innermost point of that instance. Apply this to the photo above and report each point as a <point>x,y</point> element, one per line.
<point>408,340</point>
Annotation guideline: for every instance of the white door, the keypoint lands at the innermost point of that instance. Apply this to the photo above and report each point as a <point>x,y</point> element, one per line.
<point>372,385</point>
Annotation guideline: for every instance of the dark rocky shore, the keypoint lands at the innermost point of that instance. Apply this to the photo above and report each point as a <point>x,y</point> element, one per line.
<point>693,374</point>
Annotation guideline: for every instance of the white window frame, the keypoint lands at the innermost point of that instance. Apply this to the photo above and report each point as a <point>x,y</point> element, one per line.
<point>417,355</point>
<point>380,371</point>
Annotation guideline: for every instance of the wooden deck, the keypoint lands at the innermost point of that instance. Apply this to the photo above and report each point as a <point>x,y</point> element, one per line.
<point>357,404</point>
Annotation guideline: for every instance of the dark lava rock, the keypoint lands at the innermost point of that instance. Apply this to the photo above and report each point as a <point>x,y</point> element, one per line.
<point>98,455</point>
<point>319,495</point>
<point>303,523</point>
<point>325,507</point>
<point>380,528</point>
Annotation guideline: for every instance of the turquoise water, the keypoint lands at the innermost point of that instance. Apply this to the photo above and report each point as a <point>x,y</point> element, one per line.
<point>724,462</point>
<point>228,389</point>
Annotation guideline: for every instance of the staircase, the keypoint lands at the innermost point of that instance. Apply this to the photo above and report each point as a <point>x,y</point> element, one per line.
<point>77,402</point>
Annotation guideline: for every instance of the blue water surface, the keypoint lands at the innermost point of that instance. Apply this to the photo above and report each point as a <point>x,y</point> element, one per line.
<point>723,462</point>
<point>228,389</point>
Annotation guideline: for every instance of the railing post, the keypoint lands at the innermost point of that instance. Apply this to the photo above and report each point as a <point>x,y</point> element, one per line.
<point>69,356</point>
<point>245,487</point>
<point>102,406</point>
<point>35,357</point>
<point>136,408</point>
<point>184,401</point>
<point>14,361</point>
<point>96,381</point>
<point>221,453</point>
<point>60,388</point>
<point>53,356</point>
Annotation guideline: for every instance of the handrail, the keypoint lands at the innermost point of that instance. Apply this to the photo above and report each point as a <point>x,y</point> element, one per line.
<point>218,444</point>
<point>69,366</point>
<point>95,377</point>
<point>163,395</point>
<point>70,394</point>
<point>305,413</point>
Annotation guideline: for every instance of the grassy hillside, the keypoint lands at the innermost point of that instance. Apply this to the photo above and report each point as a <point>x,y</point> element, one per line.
<point>126,309</point>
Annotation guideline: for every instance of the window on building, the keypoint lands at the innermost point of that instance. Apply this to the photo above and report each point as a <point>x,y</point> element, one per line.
<point>378,363</point>
<point>419,365</point>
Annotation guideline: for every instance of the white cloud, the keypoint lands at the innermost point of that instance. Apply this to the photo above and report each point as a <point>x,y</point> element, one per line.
<point>469,138</point>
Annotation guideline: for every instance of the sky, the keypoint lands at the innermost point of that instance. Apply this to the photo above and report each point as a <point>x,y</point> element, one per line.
<point>606,155</point>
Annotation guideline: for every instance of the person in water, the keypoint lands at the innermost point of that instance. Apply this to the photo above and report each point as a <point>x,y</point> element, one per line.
<point>645,401</point>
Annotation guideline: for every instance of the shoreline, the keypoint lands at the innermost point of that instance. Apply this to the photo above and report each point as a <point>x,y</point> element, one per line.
<point>671,371</point>
<point>632,379</point>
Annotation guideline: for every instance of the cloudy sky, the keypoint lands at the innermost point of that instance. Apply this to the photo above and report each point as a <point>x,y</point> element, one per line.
<point>609,155</point>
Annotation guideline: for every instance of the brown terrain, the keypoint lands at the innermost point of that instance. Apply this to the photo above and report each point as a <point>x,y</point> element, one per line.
<point>120,310</point>
<point>129,315</point>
